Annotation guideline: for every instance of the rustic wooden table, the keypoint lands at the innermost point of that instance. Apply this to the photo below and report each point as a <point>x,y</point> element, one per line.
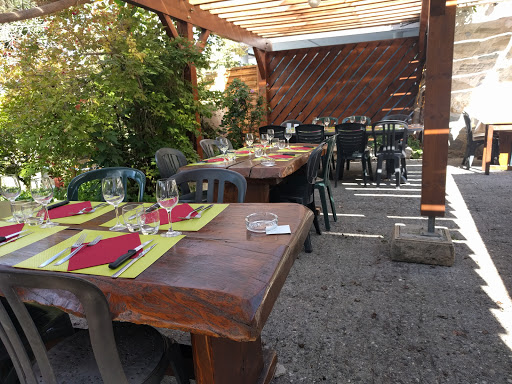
<point>219,284</point>
<point>259,177</point>
<point>505,131</point>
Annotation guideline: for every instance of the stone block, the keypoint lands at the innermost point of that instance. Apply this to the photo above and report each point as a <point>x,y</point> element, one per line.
<point>413,244</point>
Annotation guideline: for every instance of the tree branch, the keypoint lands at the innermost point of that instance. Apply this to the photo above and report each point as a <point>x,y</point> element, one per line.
<point>43,10</point>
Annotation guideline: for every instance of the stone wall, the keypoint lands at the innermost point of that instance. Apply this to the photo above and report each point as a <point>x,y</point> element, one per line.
<point>482,67</point>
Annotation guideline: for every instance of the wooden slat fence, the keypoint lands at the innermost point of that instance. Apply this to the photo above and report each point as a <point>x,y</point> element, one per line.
<point>372,79</point>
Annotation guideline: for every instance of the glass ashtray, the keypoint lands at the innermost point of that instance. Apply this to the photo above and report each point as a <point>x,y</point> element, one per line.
<point>259,222</point>
<point>268,161</point>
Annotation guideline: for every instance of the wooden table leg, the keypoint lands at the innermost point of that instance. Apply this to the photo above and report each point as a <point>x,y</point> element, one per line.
<point>487,156</point>
<point>223,361</point>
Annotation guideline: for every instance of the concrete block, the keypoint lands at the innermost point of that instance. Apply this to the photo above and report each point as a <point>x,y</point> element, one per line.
<point>413,244</point>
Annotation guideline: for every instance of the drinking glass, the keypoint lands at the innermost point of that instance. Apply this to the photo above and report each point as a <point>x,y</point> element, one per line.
<point>258,151</point>
<point>10,188</point>
<point>18,214</point>
<point>275,143</point>
<point>315,120</point>
<point>231,155</point>
<point>167,196</point>
<point>41,189</point>
<point>113,193</point>
<point>270,134</point>
<point>281,144</point>
<point>362,120</point>
<point>223,146</point>
<point>249,139</point>
<point>352,119</point>
<point>33,214</point>
<point>264,142</point>
<point>327,121</point>
<point>130,213</point>
<point>288,136</point>
<point>149,222</point>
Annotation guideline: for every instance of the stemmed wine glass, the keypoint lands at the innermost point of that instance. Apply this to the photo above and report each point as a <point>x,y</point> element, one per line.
<point>270,135</point>
<point>223,146</point>
<point>352,119</point>
<point>113,193</point>
<point>41,189</point>
<point>315,120</point>
<point>167,196</point>
<point>288,136</point>
<point>362,120</point>
<point>249,139</point>
<point>264,142</point>
<point>10,189</point>
<point>327,121</point>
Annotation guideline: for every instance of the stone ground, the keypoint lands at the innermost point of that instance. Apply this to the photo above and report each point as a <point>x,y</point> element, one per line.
<point>348,314</point>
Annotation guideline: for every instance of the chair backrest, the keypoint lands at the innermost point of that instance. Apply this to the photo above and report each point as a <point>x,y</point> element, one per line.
<point>351,138</point>
<point>98,174</point>
<point>469,130</point>
<point>310,133</point>
<point>168,161</point>
<point>398,117</point>
<point>278,131</point>
<point>209,146</point>
<point>96,311</point>
<point>326,159</point>
<point>230,146</point>
<point>393,135</point>
<point>313,166</point>
<point>357,119</point>
<point>215,179</point>
<point>292,122</point>
<point>332,120</point>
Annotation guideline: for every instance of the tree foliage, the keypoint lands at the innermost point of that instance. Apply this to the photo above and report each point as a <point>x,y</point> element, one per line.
<point>101,85</point>
<point>245,110</point>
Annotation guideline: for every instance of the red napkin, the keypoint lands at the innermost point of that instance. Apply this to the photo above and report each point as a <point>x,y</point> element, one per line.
<point>68,210</point>
<point>214,160</point>
<point>105,252</point>
<point>9,229</point>
<point>301,148</point>
<point>282,156</point>
<point>181,210</point>
<point>242,152</point>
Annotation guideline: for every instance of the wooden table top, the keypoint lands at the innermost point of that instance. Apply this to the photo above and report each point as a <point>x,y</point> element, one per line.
<point>220,281</point>
<point>251,168</point>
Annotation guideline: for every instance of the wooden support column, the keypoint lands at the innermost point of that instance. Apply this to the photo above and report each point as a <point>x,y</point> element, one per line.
<point>261,60</point>
<point>439,59</point>
<point>422,39</point>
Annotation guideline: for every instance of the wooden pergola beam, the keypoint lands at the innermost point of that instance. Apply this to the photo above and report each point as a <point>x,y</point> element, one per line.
<point>438,80</point>
<point>183,10</point>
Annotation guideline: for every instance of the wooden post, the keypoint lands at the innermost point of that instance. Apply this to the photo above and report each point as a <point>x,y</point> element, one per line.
<point>261,60</point>
<point>439,59</point>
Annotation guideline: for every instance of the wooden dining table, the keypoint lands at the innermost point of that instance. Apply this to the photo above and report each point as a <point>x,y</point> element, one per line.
<point>219,284</point>
<point>505,156</point>
<point>259,178</point>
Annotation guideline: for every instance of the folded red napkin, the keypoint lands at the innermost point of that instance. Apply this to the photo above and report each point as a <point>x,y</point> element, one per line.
<point>214,160</point>
<point>9,229</point>
<point>105,252</point>
<point>67,210</point>
<point>242,152</point>
<point>282,157</point>
<point>301,148</point>
<point>181,210</point>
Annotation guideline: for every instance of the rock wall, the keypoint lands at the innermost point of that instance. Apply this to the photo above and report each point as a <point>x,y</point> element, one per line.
<point>482,67</point>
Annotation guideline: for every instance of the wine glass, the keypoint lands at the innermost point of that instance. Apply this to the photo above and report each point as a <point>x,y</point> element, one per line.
<point>249,139</point>
<point>223,146</point>
<point>264,142</point>
<point>362,120</point>
<point>270,135</point>
<point>288,136</point>
<point>41,189</point>
<point>352,119</point>
<point>327,121</point>
<point>167,196</point>
<point>10,189</point>
<point>316,120</point>
<point>113,193</point>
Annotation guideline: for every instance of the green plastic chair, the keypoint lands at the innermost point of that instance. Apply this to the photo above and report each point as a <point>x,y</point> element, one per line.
<point>322,184</point>
<point>98,174</point>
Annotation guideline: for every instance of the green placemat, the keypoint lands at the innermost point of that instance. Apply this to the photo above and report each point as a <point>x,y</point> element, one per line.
<point>36,235</point>
<point>163,244</point>
<point>80,219</point>
<point>193,225</point>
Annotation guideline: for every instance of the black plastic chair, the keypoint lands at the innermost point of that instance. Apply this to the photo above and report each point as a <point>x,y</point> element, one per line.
<point>216,179</point>
<point>210,148</point>
<point>323,184</point>
<point>351,144</point>
<point>300,188</point>
<point>392,145</point>
<point>310,133</point>
<point>471,143</point>
<point>278,131</point>
<point>292,122</point>
<point>102,353</point>
<point>98,174</point>
<point>357,119</point>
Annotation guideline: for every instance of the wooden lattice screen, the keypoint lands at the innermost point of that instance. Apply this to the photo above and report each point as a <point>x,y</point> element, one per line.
<point>372,79</point>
